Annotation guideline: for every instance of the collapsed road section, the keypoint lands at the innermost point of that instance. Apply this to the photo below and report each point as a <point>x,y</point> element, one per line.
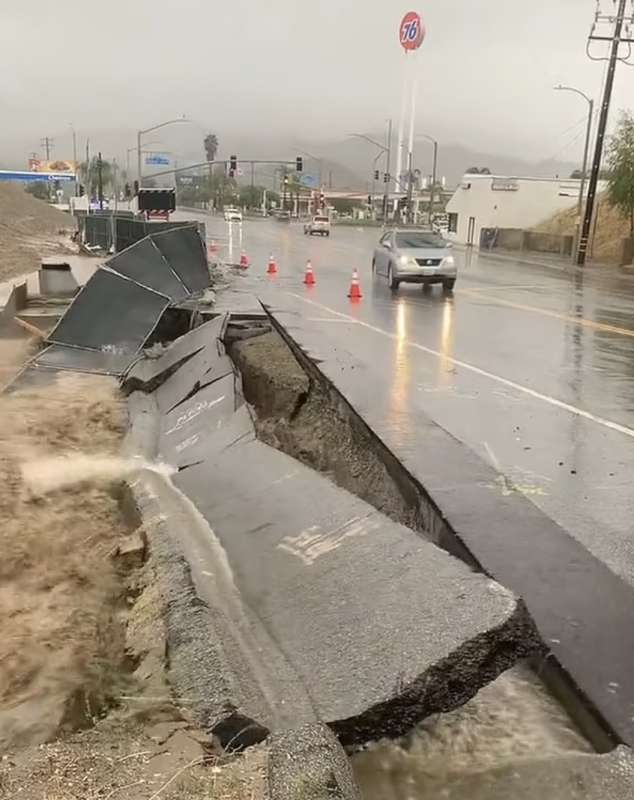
<point>337,613</point>
<point>299,583</point>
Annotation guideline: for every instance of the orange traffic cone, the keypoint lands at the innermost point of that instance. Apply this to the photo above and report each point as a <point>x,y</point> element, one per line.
<point>271,268</point>
<point>309,278</point>
<point>355,289</point>
<point>244,260</point>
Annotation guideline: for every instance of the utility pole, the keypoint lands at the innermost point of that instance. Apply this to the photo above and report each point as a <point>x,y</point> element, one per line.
<point>100,181</point>
<point>586,152</point>
<point>47,144</point>
<point>616,39</point>
<point>75,159</point>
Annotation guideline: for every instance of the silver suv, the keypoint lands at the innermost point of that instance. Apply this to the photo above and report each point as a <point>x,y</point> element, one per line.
<point>415,256</point>
<point>319,224</point>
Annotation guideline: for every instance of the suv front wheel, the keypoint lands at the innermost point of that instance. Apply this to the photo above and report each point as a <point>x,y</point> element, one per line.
<point>392,282</point>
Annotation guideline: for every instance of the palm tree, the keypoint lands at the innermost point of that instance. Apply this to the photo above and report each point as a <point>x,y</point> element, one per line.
<point>89,175</point>
<point>211,146</point>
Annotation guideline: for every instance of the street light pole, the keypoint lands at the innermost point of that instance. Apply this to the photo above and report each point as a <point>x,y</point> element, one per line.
<point>383,149</point>
<point>434,174</point>
<point>388,159</point>
<point>586,149</point>
<point>75,158</point>
<point>148,130</point>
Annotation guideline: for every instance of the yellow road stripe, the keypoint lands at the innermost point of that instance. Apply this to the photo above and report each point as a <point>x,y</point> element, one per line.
<point>587,323</point>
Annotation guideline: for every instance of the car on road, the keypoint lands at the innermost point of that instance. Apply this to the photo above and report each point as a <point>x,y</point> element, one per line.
<point>414,256</point>
<point>319,224</point>
<point>282,216</point>
<point>233,214</point>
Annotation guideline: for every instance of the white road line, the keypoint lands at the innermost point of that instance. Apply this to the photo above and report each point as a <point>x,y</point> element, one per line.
<point>553,401</point>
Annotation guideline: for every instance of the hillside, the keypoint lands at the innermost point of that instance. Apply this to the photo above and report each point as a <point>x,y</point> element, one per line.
<point>29,230</point>
<point>611,229</point>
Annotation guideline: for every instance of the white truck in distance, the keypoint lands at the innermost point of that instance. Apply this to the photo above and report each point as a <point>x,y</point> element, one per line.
<point>319,224</point>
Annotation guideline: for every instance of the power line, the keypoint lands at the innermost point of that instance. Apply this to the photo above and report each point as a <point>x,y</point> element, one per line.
<point>617,37</point>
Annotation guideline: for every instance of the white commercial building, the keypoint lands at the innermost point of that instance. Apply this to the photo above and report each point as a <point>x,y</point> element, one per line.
<point>484,202</point>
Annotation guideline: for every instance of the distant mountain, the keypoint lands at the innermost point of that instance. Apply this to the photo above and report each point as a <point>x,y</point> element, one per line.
<point>345,164</point>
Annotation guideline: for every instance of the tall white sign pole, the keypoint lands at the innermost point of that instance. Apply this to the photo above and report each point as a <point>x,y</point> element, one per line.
<point>411,36</point>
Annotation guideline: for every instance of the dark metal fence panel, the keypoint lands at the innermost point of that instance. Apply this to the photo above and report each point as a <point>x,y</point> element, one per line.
<point>98,229</point>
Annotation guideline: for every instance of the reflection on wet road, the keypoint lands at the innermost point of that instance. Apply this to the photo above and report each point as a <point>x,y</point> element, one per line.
<point>530,367</point>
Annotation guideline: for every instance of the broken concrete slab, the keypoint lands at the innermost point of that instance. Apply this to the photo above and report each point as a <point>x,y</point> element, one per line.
<point>186,430</point>
<point>150,371</point>
<point>321,567</point>
<point>214,645</point>
<point>205,367</point>
<point>309,764</point>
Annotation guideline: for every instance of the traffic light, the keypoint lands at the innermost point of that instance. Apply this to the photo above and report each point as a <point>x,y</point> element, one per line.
<point>136,188</point>
<point>370,200</point>
<point>127,191</point>
<point>82,191</point>
<point>386,178</point>
<point>322,200</point>
<point>299,164</point>
<point>285,180</point>
<point>233,165</point>
<point>376,174</point>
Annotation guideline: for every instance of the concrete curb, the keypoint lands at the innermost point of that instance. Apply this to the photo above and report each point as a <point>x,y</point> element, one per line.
<point>309,764</point>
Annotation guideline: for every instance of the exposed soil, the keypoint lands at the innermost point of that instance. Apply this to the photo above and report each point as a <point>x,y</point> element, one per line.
<point>612,227</point>
<point>30,229</point>
<point>301,418</point>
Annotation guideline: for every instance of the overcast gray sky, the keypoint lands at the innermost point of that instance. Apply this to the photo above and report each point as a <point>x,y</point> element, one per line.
<point>308,68</point>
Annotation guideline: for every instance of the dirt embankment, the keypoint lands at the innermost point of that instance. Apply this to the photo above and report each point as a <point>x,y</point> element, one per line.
<point>30,229</point>
<point>611,229</point>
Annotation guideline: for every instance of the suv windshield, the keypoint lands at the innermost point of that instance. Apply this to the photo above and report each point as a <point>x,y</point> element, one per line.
<point>321,219</point>
<point>419,239</point>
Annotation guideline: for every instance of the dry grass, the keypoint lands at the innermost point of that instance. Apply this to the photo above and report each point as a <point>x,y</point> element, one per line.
<point>59,632</point>
<point>611,229</point>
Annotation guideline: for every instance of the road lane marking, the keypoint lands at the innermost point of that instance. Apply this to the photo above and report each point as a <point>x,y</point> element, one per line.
<point>504,288</point>
<point>553,401</point>
<point>328,319</point>
<point>588,323</point>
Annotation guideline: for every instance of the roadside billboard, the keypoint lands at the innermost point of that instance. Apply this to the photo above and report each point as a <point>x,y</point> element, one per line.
<point>58,165</point>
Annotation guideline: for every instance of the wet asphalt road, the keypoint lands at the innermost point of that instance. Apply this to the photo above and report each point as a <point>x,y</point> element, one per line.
<point>530,367</point>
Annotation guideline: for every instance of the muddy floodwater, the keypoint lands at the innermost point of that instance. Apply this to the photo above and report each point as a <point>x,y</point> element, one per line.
<point>512,722</point>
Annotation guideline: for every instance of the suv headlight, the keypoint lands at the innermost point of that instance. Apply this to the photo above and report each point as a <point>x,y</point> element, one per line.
<point>408,261</point>
<point>449,261</point>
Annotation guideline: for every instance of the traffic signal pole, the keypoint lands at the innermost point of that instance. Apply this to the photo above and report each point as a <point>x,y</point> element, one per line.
<point>616,40</point>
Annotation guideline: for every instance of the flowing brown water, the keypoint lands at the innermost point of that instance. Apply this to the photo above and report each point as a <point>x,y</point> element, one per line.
<point>511,723</point>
